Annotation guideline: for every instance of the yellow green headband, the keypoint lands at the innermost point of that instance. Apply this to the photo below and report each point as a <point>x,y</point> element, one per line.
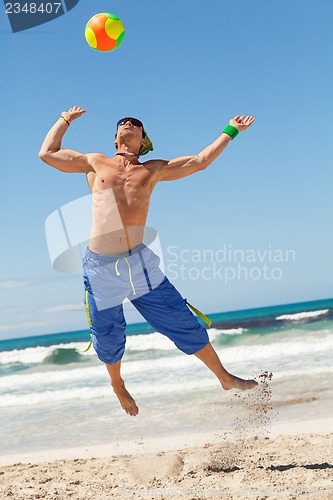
<point>148,145</point>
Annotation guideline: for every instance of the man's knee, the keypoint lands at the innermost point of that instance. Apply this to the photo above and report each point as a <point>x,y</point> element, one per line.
<point>195,345</point>
<point>108,349</point>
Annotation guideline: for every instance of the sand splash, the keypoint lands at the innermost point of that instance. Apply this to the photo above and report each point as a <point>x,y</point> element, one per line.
<point>254,418</point>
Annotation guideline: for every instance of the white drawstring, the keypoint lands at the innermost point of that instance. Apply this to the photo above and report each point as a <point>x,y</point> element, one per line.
<point>129,272</point>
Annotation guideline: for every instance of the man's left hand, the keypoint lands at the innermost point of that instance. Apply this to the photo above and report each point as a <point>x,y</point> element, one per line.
<point>242,123</point>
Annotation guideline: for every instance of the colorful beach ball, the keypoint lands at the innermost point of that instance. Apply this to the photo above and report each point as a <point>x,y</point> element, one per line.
<point>104,32</point>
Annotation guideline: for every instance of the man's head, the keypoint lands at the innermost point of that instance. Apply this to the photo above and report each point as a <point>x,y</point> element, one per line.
<point>131,131</point>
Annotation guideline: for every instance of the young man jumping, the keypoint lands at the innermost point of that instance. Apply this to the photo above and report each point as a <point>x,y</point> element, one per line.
<point>117,263</point>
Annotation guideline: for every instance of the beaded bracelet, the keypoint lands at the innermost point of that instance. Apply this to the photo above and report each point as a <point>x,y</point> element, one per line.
<point>66,120</point>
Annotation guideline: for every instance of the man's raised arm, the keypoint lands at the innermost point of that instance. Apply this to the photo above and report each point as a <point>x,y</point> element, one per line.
<point>64,160</point>
<point>181,167</point>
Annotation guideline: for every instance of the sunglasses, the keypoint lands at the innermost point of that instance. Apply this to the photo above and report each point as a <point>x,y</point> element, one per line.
<point>133,121</point>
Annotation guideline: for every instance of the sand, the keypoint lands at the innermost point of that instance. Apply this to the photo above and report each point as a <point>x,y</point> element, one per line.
<point>258,457</point>
<point>288,466</point>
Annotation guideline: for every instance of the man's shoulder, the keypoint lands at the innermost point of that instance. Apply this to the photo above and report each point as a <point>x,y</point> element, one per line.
<point>96,156</point>
<point>154,164</point>
<point>99,159</point>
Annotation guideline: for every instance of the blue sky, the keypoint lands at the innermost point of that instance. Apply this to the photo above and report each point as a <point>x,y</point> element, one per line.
<point>184,69</point>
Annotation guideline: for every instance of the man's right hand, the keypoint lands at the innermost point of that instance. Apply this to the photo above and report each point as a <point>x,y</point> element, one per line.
<point>73,113</point>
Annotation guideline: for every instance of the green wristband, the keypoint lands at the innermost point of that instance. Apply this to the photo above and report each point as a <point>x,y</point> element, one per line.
<point>231,131</point>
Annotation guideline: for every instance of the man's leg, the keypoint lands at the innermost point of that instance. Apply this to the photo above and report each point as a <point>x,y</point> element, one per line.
<point>107,327</point>
<point>166,311</point>
<point>118,385</point>
<point>209,356</point>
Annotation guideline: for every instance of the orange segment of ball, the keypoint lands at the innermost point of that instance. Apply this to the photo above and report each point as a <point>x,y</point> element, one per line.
<point>104,42</point>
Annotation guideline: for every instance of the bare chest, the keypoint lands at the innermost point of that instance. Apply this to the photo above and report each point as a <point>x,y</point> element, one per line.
<point>127,179</point>
<point>130,183</point>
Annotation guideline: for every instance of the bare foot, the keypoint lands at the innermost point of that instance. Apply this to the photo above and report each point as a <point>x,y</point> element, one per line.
<point>125,399</point>
<point>238,383</point>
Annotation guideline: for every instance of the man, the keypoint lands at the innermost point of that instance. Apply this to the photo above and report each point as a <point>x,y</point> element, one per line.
<point>117,264</point>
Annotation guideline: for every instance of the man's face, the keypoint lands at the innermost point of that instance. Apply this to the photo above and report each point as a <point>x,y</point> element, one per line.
<point>132,129</point>
<point>130,126</point>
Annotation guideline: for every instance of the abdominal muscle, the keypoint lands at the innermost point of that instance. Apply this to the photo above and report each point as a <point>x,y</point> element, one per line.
<point>116,242</point>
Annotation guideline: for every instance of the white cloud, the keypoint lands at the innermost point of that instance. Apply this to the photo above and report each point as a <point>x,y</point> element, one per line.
<point>21,326</point>
<point>80,307</point>
<point>7,284</point>
<point>64,308</point>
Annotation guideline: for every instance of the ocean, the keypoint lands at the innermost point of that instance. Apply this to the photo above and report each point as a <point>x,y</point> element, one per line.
<point>52,396</point>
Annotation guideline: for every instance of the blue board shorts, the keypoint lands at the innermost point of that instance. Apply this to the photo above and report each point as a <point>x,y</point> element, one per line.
<point>109,279</point>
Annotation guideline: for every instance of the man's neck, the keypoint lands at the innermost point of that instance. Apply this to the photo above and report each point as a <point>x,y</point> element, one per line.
<point>129,158</point>
<point>127,149</point>
<point>126,153</point>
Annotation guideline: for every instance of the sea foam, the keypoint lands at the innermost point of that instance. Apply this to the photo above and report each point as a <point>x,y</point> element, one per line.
<point>303,315</point>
